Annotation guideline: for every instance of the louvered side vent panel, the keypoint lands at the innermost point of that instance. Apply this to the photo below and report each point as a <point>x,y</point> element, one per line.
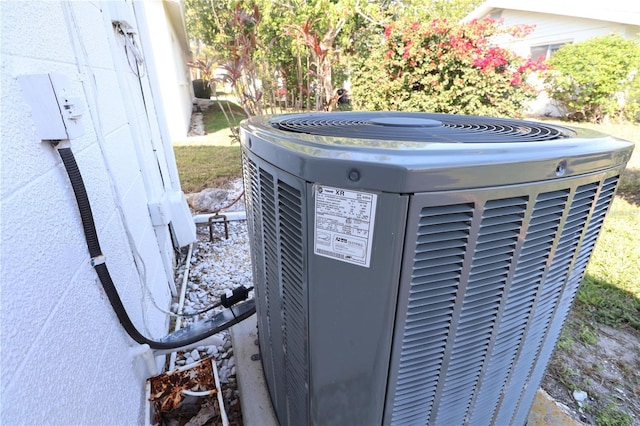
<point>272,283</point>
<point>496,243</point>
<point>442,240</point>
<point>585,195</point>
<point>547,302</point>
<point>254,218</point>
<point>543,225</point>
<point>254,224</point>
<point>275,216</point>
<point>293,297</point>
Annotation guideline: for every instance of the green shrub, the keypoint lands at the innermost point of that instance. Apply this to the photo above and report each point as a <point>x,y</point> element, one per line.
<point>631,108</point>
<point>201,89</point>
<point>444,67</point>
<point>597,79</point>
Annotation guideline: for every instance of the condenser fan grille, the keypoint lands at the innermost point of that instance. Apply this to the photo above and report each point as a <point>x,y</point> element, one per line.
<point>419,127</point>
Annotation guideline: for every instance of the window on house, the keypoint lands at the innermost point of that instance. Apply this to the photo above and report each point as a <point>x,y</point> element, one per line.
<point>545,51</point>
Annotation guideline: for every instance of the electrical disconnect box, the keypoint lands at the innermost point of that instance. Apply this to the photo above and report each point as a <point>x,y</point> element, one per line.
<point>55,112</point>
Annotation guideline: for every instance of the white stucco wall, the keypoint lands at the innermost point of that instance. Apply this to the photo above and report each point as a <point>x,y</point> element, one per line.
<point>64,356</point>
<point>170,71</point>
<point>551,29</point>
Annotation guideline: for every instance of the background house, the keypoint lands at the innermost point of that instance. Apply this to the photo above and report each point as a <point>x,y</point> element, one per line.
<point>560,22</point>
<point>65,357</point>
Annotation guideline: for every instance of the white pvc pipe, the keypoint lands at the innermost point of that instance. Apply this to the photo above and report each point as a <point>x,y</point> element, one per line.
<point>204,218</point>
<point>183,291</point>
<point>144,351</point>
<point>147,404</point>
<point>199,393</point>
<point>216,378</point>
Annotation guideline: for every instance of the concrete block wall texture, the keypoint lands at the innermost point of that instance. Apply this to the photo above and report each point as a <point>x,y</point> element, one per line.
<point>64,356</point>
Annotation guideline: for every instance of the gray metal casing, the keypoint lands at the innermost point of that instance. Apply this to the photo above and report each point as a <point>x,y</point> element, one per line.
<point>477,254</point>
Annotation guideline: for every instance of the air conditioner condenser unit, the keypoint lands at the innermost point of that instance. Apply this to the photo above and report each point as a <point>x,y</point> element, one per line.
<point>415,268</point>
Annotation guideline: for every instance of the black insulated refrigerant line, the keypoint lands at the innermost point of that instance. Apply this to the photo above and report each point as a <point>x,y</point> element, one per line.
<point>178,339</point>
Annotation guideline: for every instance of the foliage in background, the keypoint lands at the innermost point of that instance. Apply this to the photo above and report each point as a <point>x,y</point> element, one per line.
<point>421,10</point>
<point>444,67</point>
<point>285,49</point>
<point>202,73</point>
<point>302,50</point>
<point>240,42</point>
<point>321,49</point>
<point>204,67</point>
<point>597,79</point>
<point>200,19</point>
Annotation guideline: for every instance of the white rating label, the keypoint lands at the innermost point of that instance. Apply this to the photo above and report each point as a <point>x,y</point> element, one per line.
<point>344,222</point>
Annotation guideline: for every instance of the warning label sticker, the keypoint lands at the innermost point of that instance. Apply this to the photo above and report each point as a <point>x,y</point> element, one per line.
<point>344,221</point>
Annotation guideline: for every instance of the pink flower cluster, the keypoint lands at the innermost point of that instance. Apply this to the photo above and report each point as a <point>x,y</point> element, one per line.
<point>468,43</point>
<point>491,59</point>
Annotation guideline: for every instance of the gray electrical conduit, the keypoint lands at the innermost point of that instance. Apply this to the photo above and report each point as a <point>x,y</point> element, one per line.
<point>179,338</point>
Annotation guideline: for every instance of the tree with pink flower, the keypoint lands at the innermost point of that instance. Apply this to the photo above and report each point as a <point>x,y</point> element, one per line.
<point>446,67</point>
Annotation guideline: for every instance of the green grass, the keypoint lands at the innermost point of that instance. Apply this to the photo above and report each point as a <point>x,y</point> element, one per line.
<point>217,125</point>
<point>207,166</point>
<point>211,160</point>
<point>566,341</point>
<point>215,119</point>
<point>629,186</point>
<point>587,335</point>
<point>611,416</point>
<point>610,292</point>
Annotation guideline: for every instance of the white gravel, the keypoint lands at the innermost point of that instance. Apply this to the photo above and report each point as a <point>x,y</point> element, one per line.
<point>216,268</point>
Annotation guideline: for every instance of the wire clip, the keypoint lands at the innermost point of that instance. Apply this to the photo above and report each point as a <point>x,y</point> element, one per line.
<point>98,260</point>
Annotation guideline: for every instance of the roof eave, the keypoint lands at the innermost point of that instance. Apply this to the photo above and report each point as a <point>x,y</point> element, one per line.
<point>629,16</point>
